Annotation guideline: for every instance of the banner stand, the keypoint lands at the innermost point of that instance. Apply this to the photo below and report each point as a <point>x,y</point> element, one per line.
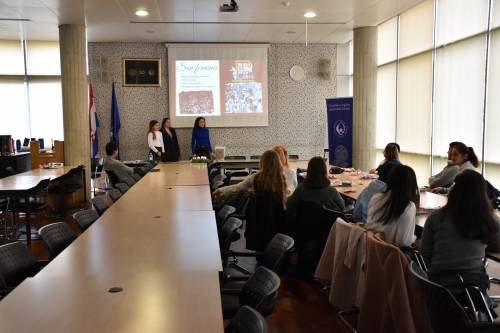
<point>339,115</point>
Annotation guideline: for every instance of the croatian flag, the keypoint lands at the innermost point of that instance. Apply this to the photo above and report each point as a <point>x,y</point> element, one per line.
<point>94,123</point>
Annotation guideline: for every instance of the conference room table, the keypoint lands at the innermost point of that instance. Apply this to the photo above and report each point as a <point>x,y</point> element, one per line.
<point>157,246</point>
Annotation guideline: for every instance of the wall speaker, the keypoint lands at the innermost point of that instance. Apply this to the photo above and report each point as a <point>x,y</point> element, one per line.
<point>324,68</point>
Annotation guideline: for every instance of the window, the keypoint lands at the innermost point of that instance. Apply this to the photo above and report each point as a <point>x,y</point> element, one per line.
<point>32,98</point>
<point>344,69</point>
<point>387,44</point>
<point>386,105</point>
<point>416,30</point>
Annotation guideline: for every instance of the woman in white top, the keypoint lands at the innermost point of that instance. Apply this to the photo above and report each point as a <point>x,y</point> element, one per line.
<point>155,140</point>
<point>290,174</point>
<point>393,212</point>
<point>465,158</point>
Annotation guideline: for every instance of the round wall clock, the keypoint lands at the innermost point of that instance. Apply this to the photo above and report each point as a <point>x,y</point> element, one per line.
<point>297,73</point>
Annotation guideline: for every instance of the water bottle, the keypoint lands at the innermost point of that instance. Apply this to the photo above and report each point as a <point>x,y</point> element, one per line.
<point>150,157</point>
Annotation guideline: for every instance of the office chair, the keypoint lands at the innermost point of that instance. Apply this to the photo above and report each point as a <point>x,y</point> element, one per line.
<point>16,264</point>
<point>100,205</point>
<point>56,236</point>
<point>85,218</point>
<point>114,194</point>
<point>247,320</point>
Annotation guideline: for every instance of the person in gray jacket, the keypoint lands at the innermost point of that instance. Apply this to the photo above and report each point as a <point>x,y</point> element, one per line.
<point>112,164</point>
<point>447,175</point>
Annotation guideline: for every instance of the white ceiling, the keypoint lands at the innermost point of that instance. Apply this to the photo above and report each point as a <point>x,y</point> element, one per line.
<point>197,20</point>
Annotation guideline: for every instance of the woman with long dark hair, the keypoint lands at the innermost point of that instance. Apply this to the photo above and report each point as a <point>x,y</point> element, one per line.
<point>393,212</point>
<point>172,152</point>
<point>455,237</point>
<point>316,188</point>
<point>465,158</point>
<point>155,140</point>
<point>200,140</point>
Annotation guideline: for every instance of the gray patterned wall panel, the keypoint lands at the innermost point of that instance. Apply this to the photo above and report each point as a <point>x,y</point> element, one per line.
<point>297,111</point>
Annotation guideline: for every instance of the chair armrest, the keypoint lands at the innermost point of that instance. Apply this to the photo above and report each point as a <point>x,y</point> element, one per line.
<point>243,254</point>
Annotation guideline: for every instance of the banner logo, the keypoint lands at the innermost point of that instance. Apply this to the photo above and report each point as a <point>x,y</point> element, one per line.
<point>340,128</point>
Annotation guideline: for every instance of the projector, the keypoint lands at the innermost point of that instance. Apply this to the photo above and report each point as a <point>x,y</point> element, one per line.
<point>232,7</point>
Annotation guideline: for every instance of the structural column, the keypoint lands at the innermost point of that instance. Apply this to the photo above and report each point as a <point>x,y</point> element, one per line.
<point>364,97</point>
<point>72,44</point>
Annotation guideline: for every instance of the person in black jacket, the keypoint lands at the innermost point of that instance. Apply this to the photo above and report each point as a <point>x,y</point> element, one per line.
<point>172,152</point>
<point>391,159</point>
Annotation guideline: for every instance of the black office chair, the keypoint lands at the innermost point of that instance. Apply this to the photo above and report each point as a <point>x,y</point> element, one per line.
<point>127,179</point>
<point>236,172</point>
<point>244,264</point>
<point>122,187</point>
<point>135,176</point>
<point>67,184</point>
<point>85,218</point>
<point>265,217</point>
<point>312,228</point>
<point>8,226</point>
<point>100,205</point>
<point>113,178</point>
<point>224,213</point>
<point>16,264</point>
<point>293,157</point>
<point>259,292</point>
<point>32,203</point>
<point>56,236</point>
<point>247,320</point>
<point>229,233</point>
<point>255,157</point>
<point>114,194</point>
<point>445,311</point>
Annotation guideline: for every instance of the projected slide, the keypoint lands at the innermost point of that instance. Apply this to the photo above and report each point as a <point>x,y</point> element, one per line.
<point>197,88</point>
<point>224,83</point>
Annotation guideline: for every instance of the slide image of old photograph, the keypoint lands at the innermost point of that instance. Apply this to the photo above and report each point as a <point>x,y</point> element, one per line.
<point>243,97</point>
<point>196,102</point>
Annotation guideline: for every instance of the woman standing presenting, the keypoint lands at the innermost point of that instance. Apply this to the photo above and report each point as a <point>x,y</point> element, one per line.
<point>155,140</point>
<point>172,152</point>
<point>200,140</point>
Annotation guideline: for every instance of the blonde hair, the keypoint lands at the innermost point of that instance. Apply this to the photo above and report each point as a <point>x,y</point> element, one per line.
<point>283,155</point>
<point>270,177</point>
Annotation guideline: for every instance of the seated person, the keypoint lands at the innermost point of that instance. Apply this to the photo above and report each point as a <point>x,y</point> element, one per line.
<point>465,158</point>
<point>447,175</point>
<point>393,212</point>
<point>291,174</point>
<point>112,164</point>
<point>316,188</point>
<point>456,236</point>
<point>270,178</point>
<point>360,211</point>
<point>391,159</point>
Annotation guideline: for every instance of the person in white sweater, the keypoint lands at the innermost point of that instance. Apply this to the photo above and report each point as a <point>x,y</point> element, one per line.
<point>155,140</point>
<point>465,158</point>
<point>393,212</point>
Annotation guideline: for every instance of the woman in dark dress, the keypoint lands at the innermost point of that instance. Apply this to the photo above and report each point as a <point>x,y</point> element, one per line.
<point>172,152</point>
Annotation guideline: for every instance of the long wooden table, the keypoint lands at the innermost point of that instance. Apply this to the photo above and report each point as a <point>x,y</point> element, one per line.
<point>158,243</point>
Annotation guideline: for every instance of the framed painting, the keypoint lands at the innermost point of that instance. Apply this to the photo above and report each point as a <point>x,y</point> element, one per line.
<point>140,72</point>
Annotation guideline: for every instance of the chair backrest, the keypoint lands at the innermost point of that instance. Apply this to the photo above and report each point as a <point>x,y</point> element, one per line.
<point>85,218</point>
<point>228,231</point>
<point>445,312</point>
<point>313,222</point>
<point>16,264</point>
<point>56,236</point>
<point>127,180</point>
<point>135,177</point>
<point>40,187</point>
<point>276,252</point>
<point>247,320</point>
<point>114,194</point>
<point>122,187</point>
<point>255,157</point>
<point>265,218</point>
<point>235,157</point>
<point>293,157</point>
<point>100,205</point>
<point>224,213</point>
<point>112,177</point>
<point>261,290</point>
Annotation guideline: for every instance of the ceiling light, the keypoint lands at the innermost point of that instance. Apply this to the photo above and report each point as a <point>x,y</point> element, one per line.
<point>310,14</point>
<point>149,31</point>
<point>291,32</point>
<point>141,12</point>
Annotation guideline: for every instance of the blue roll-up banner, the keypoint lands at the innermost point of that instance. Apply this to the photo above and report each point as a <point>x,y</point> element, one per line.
<point>339,114</point>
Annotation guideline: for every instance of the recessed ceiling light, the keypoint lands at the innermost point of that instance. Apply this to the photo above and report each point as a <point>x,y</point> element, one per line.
<point>310,14</point>
<point>141,12</point>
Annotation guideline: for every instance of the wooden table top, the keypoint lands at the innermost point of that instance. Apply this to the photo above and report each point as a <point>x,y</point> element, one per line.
<point>26,180</point>
<point>178,174</point>
<point>135,240</point>
<point>150,302</point>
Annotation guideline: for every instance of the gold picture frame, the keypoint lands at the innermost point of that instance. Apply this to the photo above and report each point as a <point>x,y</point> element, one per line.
<point>141,72</point>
